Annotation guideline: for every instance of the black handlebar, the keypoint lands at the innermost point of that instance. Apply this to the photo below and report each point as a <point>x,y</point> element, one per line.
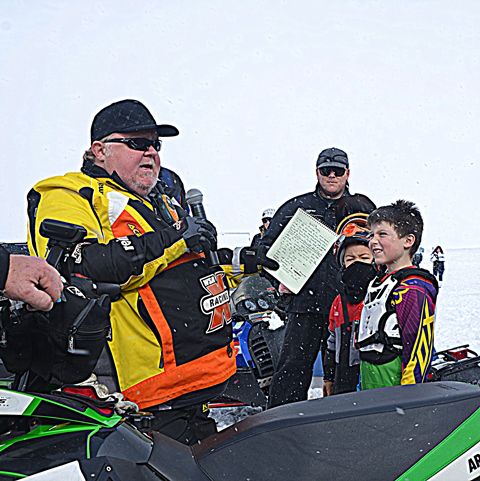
<point>62,240</point>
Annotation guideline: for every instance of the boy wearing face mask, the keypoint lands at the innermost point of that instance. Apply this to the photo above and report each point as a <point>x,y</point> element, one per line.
<point>342,360</point>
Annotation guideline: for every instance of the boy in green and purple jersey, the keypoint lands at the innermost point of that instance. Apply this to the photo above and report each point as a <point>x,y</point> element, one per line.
<point>395,335</point>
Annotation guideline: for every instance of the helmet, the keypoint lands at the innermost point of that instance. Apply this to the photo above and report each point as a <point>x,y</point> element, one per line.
<point>268,214</point>
<point>352,230</point>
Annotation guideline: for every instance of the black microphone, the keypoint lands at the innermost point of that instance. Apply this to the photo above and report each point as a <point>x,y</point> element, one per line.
<point>194,198</point>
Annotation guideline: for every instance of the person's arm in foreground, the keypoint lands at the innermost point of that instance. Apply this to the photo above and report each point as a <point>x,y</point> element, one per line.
<point>29,279</point>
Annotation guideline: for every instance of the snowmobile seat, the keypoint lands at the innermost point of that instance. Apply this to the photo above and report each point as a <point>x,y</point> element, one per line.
<point>376,435</point>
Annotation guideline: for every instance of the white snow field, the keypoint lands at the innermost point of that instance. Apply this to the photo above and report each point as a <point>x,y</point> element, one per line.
<point>457,319</point>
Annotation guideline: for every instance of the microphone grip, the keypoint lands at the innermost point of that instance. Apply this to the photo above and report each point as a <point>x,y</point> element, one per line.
<point>199,212</point>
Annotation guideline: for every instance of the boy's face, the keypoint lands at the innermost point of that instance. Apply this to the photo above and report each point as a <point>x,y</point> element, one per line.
<point>357,253</point>
<point>388,248</point>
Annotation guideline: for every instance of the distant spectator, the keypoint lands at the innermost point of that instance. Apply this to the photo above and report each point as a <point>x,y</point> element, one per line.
<point>438,259</point>
<point>418,257</point>
<point>267,215</point>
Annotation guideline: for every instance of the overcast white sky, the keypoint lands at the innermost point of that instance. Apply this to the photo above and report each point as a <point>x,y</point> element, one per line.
<point>257,89</point>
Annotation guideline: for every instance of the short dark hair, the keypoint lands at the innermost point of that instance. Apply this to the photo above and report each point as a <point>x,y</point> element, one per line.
<point>405,218</point>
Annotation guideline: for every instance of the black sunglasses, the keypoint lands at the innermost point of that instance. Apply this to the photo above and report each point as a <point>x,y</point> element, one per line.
<point>138,143</point>
<point>338,171</point>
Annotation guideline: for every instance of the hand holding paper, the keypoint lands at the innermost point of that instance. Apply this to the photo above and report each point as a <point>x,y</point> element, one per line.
<point>299,249</point>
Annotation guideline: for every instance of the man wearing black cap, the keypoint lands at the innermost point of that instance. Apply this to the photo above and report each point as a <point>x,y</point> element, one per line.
<point>307,324</point>
<point>171,328</point>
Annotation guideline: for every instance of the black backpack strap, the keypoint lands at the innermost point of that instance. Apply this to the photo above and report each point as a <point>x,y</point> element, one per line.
<point>345,333</point>
<point>415,271</point>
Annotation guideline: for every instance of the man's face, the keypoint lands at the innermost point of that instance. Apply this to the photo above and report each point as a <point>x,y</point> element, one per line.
<point>332,184</point>
<point>138,169</point>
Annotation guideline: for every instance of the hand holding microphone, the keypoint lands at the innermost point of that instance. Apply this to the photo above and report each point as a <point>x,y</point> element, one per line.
<point>201,233</point>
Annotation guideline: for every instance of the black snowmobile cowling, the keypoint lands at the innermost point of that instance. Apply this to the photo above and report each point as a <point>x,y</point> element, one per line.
<point>415,432</point>
<point>371,435</point>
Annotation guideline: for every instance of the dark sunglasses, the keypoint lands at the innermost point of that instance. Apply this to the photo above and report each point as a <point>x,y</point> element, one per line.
<point>338,171</point>
<point>138,143</point>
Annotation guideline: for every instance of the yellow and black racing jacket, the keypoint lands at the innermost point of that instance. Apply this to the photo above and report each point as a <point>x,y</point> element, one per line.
<point>171,328</point>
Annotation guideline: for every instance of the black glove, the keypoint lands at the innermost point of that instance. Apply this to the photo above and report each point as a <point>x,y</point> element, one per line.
<point>251,257</point>
<point>200,235</point>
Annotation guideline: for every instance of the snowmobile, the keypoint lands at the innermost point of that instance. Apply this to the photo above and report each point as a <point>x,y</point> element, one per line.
<point>458,363</point>
<point>418,432</point>
<point>257,336</point>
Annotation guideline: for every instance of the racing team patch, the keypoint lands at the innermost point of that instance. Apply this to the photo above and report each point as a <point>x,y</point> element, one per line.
<point>217,302</point>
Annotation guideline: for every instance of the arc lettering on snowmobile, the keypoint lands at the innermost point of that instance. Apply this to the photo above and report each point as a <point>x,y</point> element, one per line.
<point>451,458</point>
<point>217,303</point>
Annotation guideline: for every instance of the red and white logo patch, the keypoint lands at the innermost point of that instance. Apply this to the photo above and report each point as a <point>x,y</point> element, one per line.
<point>217,303</point>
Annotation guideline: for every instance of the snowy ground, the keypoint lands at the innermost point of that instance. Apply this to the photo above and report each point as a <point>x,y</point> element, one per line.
<point>456,316</point>
<point>459,301</point>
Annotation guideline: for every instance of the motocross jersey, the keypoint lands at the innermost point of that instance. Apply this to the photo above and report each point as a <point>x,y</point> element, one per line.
<point>171,327</point>
<point>397,320</point>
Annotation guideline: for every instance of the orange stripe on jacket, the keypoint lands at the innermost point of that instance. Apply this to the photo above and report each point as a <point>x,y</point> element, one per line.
<point>189,377</point>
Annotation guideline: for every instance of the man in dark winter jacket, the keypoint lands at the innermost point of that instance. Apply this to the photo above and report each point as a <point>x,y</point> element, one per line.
<point>307,324</point>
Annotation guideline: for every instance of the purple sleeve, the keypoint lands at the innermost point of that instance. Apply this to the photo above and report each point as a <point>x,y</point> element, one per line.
<point>415,305</point>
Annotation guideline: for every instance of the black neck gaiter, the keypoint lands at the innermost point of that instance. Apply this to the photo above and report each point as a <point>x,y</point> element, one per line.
<point>355,279</point>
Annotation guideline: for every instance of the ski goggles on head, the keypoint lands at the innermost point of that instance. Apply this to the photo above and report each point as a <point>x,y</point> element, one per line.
<point>326,171</point>
<point>138,143</point>
<point>353,229</point>
<point>353,224</point>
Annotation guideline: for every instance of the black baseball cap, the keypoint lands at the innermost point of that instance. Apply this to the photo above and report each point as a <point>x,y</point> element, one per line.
<point>127,116</point>
<point>332,157</point>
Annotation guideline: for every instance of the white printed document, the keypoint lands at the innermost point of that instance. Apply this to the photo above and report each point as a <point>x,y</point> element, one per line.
<point>299,249</point>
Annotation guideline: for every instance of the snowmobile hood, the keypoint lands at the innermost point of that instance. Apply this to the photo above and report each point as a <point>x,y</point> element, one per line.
<point>328,436</point>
